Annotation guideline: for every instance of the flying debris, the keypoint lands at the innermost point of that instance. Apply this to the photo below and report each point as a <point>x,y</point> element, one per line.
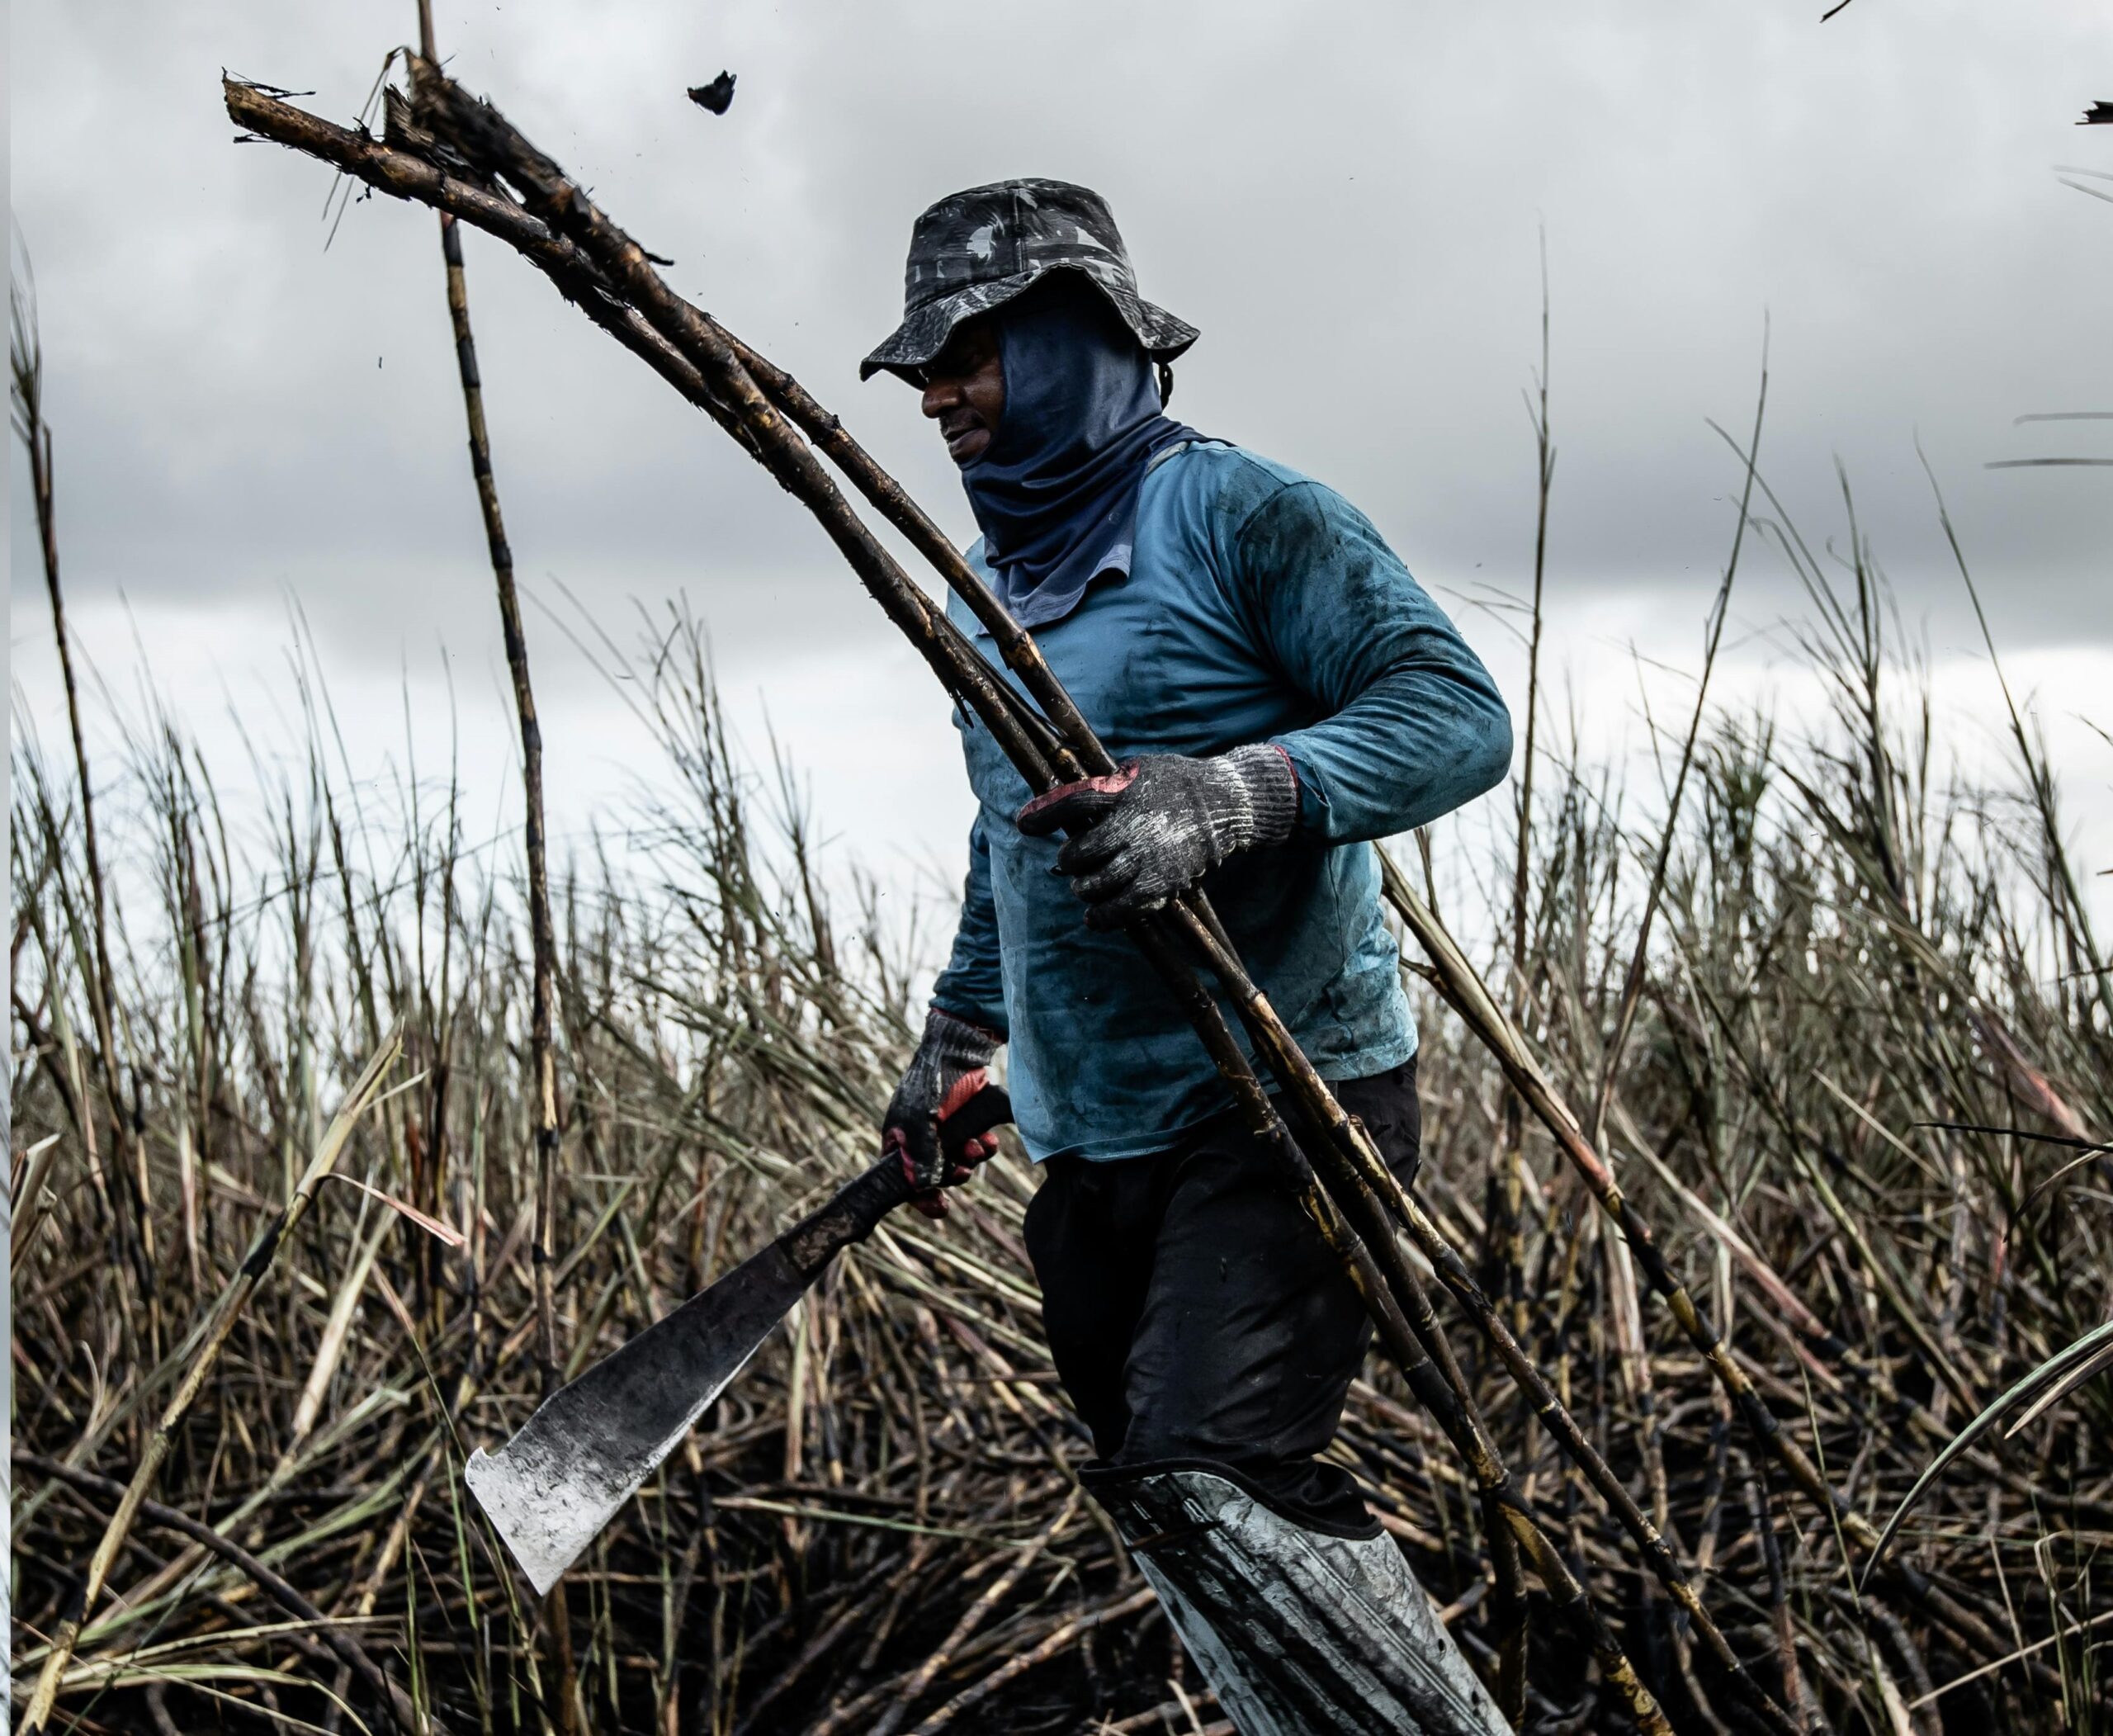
<point>718,96</point>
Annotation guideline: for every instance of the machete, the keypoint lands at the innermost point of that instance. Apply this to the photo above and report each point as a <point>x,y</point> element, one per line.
<point>551,1489</point>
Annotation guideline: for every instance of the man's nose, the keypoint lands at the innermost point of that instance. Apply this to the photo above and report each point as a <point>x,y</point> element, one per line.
<point>940,396</point>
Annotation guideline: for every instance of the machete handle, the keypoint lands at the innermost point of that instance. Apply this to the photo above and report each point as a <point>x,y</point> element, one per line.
<point>862,1202</point>
<point>988,1108</point>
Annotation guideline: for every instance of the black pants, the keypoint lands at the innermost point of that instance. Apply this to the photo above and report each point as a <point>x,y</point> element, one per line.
<point>1196,1314</point>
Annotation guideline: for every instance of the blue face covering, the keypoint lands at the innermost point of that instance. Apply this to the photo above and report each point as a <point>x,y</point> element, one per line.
<point>1056,493</point>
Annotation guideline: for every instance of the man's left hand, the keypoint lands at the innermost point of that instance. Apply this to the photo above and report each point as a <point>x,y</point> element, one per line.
<point>1155,826</point>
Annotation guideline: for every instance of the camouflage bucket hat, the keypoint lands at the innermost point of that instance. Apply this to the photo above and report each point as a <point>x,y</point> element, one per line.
<point>976,250</point>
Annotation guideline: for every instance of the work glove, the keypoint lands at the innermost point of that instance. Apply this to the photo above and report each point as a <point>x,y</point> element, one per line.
<point>951,1064</point>
<point>1155,826</point>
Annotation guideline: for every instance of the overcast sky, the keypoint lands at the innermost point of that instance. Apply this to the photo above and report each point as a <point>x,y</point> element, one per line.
<point>1346,199</point>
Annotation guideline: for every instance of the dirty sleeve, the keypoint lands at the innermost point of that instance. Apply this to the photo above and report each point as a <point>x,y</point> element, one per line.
<point>1409,723</point>
<point>972,987</point>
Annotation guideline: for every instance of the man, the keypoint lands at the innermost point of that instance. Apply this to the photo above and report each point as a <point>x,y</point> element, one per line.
<point>1280,692</point>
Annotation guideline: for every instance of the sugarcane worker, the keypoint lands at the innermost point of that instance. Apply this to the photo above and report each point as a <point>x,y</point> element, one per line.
<point>1279,692</point>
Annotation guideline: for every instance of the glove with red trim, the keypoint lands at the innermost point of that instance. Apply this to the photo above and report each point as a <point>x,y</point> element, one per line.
<point>1156,825</point>
<point>951,1065</point>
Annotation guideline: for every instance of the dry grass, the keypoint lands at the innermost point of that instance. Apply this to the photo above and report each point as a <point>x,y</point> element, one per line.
<point>1873,1015</point>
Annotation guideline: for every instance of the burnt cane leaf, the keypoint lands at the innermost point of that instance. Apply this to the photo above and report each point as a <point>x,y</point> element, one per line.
<point>716,96</point>
<point>2058,1375</point>
<point>2099,114</point>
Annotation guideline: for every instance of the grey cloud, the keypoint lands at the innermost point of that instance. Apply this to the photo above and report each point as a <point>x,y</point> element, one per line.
<point>1344,198</point>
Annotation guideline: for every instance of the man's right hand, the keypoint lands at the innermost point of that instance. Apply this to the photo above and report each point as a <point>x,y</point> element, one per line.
<point>951,1065</point>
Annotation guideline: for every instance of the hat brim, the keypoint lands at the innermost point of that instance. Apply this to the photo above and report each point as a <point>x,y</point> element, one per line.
<point>923,333</point>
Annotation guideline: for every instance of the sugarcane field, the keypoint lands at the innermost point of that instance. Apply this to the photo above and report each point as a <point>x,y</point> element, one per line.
<point>1505,1124</point>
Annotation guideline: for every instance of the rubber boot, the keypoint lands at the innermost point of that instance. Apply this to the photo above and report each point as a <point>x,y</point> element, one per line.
<point>1299,1632</point>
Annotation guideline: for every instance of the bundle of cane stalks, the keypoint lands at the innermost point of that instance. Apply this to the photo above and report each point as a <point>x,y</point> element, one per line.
<point>1763,1117</point>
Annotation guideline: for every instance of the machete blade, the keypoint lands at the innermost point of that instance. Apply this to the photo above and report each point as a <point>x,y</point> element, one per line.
<point>551,1489</point>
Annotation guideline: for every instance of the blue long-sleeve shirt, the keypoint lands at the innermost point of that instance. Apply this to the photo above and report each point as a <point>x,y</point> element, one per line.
<point>1252,605</point>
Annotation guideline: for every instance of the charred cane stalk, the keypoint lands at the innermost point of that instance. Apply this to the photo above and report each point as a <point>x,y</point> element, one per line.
<point>541,939</point>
